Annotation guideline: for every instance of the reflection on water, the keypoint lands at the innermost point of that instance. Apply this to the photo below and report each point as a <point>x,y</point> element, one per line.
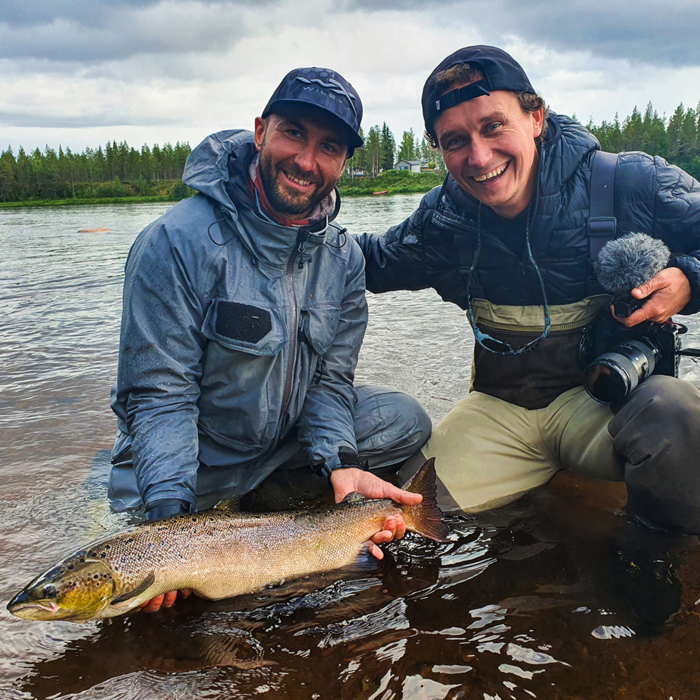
<point>556,596</point>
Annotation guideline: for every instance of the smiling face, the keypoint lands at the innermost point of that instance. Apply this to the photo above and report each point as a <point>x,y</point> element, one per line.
<point>301,160</point>
<point>488,144</point>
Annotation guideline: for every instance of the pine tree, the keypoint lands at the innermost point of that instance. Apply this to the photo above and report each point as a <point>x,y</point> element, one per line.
<point>8,183</point>
<point>654,138</point>
<point>632,131</point>
<point>674,128</point>
<point>373,151</point>
<point>387,148</point>
<point>407,149</point>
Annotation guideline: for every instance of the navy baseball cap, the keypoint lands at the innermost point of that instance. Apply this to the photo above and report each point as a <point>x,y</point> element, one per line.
<point>324,89</point>
<point>501,72</point>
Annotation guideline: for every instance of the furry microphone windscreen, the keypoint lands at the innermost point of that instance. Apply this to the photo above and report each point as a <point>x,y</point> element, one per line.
<point>625,263</point>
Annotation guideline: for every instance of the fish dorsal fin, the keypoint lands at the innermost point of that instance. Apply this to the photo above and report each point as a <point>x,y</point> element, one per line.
<point>229,505</point>
<point>353,497</point>
<point>129,595</point>
<point>423,481</point>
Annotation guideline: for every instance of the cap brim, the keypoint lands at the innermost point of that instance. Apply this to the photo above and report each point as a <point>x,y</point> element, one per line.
<point>354,139</point>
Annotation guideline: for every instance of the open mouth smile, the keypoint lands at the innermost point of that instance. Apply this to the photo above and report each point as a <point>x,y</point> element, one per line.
<point>492,176</point>
<point>298,181</point>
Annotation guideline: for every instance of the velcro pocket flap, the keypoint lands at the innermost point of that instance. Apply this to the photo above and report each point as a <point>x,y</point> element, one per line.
<point>246,327</point>
<point>321,326</point>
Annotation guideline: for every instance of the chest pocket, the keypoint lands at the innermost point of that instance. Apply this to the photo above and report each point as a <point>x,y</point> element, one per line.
<point>319,325</point>
<point>245,327</point>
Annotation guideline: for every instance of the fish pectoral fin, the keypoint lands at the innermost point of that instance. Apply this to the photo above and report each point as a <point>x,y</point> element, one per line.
<point>353,497</point>
<point>229,505</point>
<point>134,592</point>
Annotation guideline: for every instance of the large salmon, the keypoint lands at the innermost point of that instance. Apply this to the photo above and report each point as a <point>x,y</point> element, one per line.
<point>218,554</point>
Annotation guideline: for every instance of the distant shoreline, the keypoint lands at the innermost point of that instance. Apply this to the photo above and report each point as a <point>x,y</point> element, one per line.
<point>351,192</point>
<point>84,202</point>
<point>345,191</point>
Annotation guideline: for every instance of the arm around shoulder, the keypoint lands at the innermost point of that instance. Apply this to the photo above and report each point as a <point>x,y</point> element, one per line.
<point>396,259</point>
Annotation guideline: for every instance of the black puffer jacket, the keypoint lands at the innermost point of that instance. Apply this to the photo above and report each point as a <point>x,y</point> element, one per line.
<point>434,247</point>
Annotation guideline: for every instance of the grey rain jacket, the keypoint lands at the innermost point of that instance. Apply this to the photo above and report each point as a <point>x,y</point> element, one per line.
<point>235,330</point>
<point>435,247</point>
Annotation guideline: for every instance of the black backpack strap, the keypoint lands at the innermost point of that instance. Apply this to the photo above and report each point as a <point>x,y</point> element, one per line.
<point>602,223</point>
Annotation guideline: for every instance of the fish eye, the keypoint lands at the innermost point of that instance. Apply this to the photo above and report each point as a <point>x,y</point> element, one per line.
<point>49,591</point>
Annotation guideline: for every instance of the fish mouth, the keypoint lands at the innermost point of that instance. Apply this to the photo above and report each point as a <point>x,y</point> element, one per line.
<point>23,606</point>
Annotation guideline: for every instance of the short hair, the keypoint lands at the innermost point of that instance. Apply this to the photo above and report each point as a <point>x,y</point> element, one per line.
<point>464,73</point>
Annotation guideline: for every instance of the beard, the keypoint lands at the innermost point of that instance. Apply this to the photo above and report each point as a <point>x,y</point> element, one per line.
<point>285,202</point>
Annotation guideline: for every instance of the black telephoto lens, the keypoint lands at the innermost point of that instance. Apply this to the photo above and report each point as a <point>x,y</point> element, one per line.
<point>615,374</point>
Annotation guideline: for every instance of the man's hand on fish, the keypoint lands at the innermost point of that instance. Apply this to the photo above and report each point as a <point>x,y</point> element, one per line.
<point>345,481</point>
<point>165,600</point>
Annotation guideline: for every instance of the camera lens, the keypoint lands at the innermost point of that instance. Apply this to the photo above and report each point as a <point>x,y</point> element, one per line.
<point>613,375</point>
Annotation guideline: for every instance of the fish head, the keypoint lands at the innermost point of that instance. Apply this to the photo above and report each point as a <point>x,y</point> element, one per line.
<point>77,589</point>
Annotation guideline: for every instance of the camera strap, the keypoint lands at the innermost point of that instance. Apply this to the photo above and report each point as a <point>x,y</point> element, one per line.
<point>602,223</point>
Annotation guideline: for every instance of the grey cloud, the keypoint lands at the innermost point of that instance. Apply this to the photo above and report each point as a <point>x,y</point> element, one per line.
<point>32,13</point>
<point>82,121</point>
<point>86,12</point>
<point>645,31</point>
<point>103,30</point>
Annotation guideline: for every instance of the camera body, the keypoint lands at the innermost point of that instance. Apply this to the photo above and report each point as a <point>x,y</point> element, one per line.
<point>616,359</point>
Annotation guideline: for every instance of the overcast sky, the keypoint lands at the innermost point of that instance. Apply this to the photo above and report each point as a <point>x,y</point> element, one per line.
<point>80,72</point>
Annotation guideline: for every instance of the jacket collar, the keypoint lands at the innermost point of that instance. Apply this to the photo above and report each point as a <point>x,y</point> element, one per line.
<point>219,167</point>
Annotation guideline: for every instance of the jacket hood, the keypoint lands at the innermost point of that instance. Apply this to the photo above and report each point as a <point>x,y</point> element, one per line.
<point>219,167</point>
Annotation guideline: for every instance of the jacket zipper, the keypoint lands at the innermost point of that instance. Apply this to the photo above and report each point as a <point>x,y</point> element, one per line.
<point>294,326</point>
<point>293,332</point>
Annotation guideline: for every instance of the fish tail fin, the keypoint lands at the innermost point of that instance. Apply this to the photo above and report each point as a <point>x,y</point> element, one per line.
<point>426,517</point>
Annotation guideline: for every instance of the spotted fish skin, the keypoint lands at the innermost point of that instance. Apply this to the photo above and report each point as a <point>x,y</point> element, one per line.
<point>217,554</point>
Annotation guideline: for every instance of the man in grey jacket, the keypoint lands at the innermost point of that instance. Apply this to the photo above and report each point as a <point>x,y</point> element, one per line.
<point>244,312</point>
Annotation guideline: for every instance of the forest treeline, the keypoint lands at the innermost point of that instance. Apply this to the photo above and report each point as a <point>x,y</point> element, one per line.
<point>118,170</point>
<point>677,138</point>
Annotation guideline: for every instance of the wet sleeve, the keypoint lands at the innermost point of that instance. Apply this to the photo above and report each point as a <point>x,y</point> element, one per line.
<point>396,259</point>
<point>677,223</point>
<point>327,422</point>
<point>160,365</point>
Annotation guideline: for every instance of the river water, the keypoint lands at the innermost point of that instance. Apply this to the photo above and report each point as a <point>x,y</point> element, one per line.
<point>557,596</point>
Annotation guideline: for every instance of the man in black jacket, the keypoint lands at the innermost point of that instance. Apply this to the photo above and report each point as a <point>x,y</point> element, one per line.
<point>506,238</point>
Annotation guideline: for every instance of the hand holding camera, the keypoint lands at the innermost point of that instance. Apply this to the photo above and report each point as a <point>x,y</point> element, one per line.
<point>664,295</point>
<point>621,349</point>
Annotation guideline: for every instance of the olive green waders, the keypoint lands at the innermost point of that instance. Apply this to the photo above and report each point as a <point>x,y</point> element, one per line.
<point>488,451</point>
